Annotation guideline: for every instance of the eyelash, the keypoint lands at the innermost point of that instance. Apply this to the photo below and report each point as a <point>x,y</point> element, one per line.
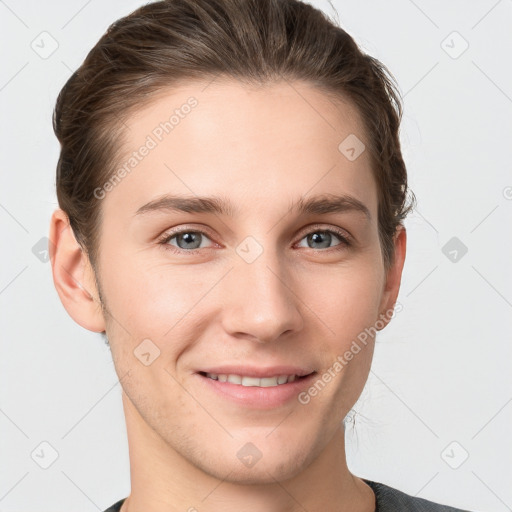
<point>164,241</point>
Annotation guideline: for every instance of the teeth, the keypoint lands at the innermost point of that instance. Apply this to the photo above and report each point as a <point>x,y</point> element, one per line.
<point>254,381</point>
<point>264,382</point>
<point>235,379</point>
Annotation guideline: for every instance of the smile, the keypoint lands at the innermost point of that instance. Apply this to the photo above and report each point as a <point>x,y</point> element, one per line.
<point>270,389</point>
<point>243,380</point>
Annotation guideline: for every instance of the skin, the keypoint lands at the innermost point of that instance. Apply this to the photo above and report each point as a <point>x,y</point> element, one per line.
<point>298,303</point>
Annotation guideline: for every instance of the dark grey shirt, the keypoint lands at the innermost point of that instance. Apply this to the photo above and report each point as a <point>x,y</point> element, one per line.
<point>387,498</point>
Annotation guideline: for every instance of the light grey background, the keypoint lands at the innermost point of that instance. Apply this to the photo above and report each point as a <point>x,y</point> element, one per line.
<point>440,388</point>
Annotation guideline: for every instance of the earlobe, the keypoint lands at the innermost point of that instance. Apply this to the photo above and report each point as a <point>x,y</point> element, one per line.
<point>393,277</point>
<point>73,276</point>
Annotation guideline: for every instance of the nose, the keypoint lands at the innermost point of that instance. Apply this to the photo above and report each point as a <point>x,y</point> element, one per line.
<point>261,304</point>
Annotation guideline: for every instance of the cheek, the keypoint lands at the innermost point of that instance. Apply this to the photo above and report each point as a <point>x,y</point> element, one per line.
<point>153,299</point>
<point>346,300</point>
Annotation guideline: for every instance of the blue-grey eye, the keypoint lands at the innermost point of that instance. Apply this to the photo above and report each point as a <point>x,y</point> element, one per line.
<point>188,239</point>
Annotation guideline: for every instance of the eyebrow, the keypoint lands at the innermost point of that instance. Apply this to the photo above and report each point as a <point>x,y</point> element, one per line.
<point>318,205</point>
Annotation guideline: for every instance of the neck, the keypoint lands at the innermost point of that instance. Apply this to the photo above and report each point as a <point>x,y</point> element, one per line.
<point>163,480</point>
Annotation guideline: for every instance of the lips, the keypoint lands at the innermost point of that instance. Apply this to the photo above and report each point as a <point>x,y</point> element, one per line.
<point>263,388</point>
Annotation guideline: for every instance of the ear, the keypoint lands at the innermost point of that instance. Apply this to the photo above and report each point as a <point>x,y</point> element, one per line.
<point>73,275</point>
<point>393,277</point>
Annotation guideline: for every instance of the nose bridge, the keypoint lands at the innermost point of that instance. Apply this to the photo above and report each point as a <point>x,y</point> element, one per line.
<point>262,303</point>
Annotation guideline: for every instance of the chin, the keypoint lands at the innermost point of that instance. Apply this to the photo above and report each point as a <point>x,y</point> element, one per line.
<point>259,474</point>
<point>252,467</point>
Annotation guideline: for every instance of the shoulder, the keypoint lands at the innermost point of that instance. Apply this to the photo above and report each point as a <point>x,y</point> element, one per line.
<point>393,500</point>
<point>116,507</point>
<point>388,500</point>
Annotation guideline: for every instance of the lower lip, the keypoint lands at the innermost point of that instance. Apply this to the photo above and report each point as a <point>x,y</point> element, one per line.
<point>258,397</point>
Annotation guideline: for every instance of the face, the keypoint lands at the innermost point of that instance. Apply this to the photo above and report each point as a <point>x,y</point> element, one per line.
<point>258,288</point>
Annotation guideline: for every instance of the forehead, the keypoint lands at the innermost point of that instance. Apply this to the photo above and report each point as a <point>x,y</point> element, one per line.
<point>260,145</point>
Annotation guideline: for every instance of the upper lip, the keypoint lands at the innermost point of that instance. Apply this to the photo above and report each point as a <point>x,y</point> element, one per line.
<point>260,372</point>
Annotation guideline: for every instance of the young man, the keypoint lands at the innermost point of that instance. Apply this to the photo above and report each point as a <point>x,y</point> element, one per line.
<point>233,238</point>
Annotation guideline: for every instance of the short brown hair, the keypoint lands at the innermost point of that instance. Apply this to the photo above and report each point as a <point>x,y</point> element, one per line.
<point>256,41</point>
